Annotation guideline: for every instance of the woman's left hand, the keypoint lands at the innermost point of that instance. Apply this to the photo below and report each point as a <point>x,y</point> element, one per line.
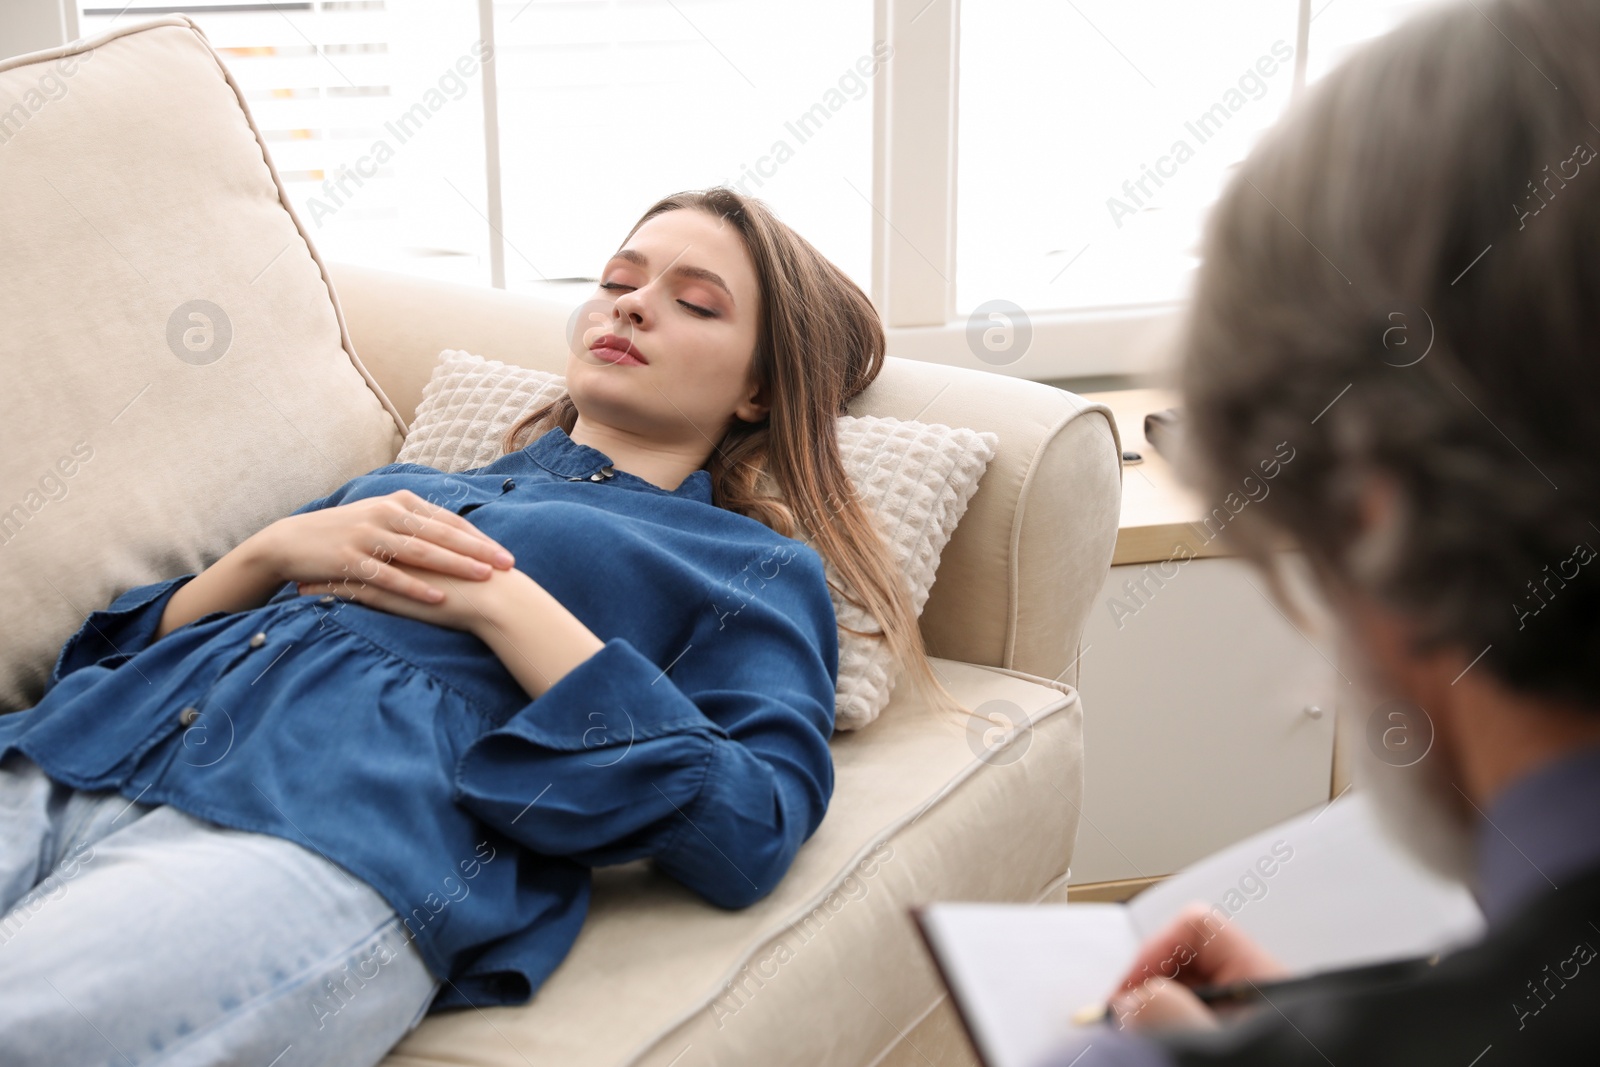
<point>467,603</point>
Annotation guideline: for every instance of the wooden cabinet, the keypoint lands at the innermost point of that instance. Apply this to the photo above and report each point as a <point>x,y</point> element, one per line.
<point>1208,714</point>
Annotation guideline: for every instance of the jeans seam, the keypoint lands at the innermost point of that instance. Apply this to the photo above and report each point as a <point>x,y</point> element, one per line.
<point>268,996</point>
<point>91,812</point>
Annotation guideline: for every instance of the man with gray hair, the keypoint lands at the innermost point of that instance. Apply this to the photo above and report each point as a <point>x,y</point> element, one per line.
<point>1403,281</point>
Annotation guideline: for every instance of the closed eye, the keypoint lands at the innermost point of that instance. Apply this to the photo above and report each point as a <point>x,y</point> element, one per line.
<point>707,313</point>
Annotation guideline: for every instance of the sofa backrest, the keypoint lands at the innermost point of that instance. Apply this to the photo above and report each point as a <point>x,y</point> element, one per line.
<point>1019,576</point>
<point>177,370</point>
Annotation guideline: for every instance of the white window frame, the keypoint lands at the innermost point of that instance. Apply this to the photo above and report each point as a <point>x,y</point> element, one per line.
<point>914,165</point>
<point>914,224</point>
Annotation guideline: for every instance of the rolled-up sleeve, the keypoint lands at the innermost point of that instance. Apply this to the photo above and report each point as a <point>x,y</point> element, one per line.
<point>124,629</point>
<point>128,625</point>
<point>718,766</point>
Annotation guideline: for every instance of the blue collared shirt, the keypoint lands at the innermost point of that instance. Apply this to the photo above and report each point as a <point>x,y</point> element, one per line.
<point>408,754</point>
<point>1539,831</point>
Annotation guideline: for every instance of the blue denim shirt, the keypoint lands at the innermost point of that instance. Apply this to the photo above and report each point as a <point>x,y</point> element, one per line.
<point>408,754</point>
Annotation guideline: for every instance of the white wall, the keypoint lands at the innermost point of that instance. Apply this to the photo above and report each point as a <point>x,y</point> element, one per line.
<point>29,25</point>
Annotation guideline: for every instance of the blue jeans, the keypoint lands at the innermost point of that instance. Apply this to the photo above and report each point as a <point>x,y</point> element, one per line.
<point>134,934</point>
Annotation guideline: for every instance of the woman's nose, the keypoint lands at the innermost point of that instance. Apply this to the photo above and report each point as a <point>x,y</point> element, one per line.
<point>630,307</point>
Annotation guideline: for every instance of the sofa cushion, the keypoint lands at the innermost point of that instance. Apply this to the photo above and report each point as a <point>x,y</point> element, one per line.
<point>828,969</point>
<point>914,478</point>
<point>184,366</point>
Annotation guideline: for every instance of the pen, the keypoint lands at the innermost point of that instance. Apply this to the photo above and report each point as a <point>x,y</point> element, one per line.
<point>1245,991</point>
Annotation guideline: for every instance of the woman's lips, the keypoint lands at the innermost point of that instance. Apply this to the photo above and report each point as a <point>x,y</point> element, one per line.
<point>617,351</point>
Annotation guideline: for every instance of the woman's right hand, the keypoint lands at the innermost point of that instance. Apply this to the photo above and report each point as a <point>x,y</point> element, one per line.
<point>353,544</point>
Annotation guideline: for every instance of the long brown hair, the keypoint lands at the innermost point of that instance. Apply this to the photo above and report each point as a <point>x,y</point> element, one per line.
<point>819,343</point>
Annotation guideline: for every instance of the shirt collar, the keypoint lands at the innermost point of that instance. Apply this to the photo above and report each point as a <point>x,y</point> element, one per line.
<point>559,454</point>
<point>1540,832</point>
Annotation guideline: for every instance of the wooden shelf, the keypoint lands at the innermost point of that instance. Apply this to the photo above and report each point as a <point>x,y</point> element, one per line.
<point>1161,517</point>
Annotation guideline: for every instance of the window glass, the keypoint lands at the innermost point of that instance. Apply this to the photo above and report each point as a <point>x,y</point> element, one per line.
<point>608,105</point>
<point>1095,134</point>
<point>372,113</point>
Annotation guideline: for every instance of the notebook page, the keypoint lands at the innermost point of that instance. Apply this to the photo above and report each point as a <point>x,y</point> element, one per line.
<point>1325,889</point>
<point>1018,972</point>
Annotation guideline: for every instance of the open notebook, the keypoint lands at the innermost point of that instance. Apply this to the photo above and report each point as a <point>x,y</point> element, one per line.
<point>1326,889</point>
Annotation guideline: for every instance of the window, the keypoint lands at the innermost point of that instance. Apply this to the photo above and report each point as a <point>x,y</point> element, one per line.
<point>1093,138</point>
<point>368,117</point>
<point>1092,144</point>
<point>608,105</point>
<point>1113,127</point>
<point>373,113</point>
<point>1055,155</point>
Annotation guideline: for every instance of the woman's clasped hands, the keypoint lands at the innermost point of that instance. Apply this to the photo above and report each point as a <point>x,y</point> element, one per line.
<point>398,553</point>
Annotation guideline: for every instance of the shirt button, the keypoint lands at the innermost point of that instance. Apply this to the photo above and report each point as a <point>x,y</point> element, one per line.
<point>327,598</point>
<point>258,640</point>
<point>508,485</point>
<point>188,715</point>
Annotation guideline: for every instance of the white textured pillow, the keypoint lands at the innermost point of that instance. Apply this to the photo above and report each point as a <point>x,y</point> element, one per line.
<point>914,478</point>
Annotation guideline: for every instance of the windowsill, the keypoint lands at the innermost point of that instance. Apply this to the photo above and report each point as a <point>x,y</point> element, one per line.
<point>1124,343</point>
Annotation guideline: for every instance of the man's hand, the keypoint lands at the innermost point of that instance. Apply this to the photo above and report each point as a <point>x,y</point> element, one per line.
<point>1199,947</point>
<point>1159,1004</point>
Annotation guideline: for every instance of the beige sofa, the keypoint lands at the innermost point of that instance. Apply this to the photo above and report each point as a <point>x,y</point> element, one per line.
<point>152,441</point>
<point>829,969</point>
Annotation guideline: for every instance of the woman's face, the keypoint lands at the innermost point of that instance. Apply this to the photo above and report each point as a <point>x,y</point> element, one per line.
<point>664,349</point>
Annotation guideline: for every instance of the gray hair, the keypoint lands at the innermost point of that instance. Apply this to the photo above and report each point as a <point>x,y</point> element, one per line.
<point>1403,282</point>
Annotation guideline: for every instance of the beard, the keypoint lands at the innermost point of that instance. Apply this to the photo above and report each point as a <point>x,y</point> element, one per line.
<point>1420,809</point>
